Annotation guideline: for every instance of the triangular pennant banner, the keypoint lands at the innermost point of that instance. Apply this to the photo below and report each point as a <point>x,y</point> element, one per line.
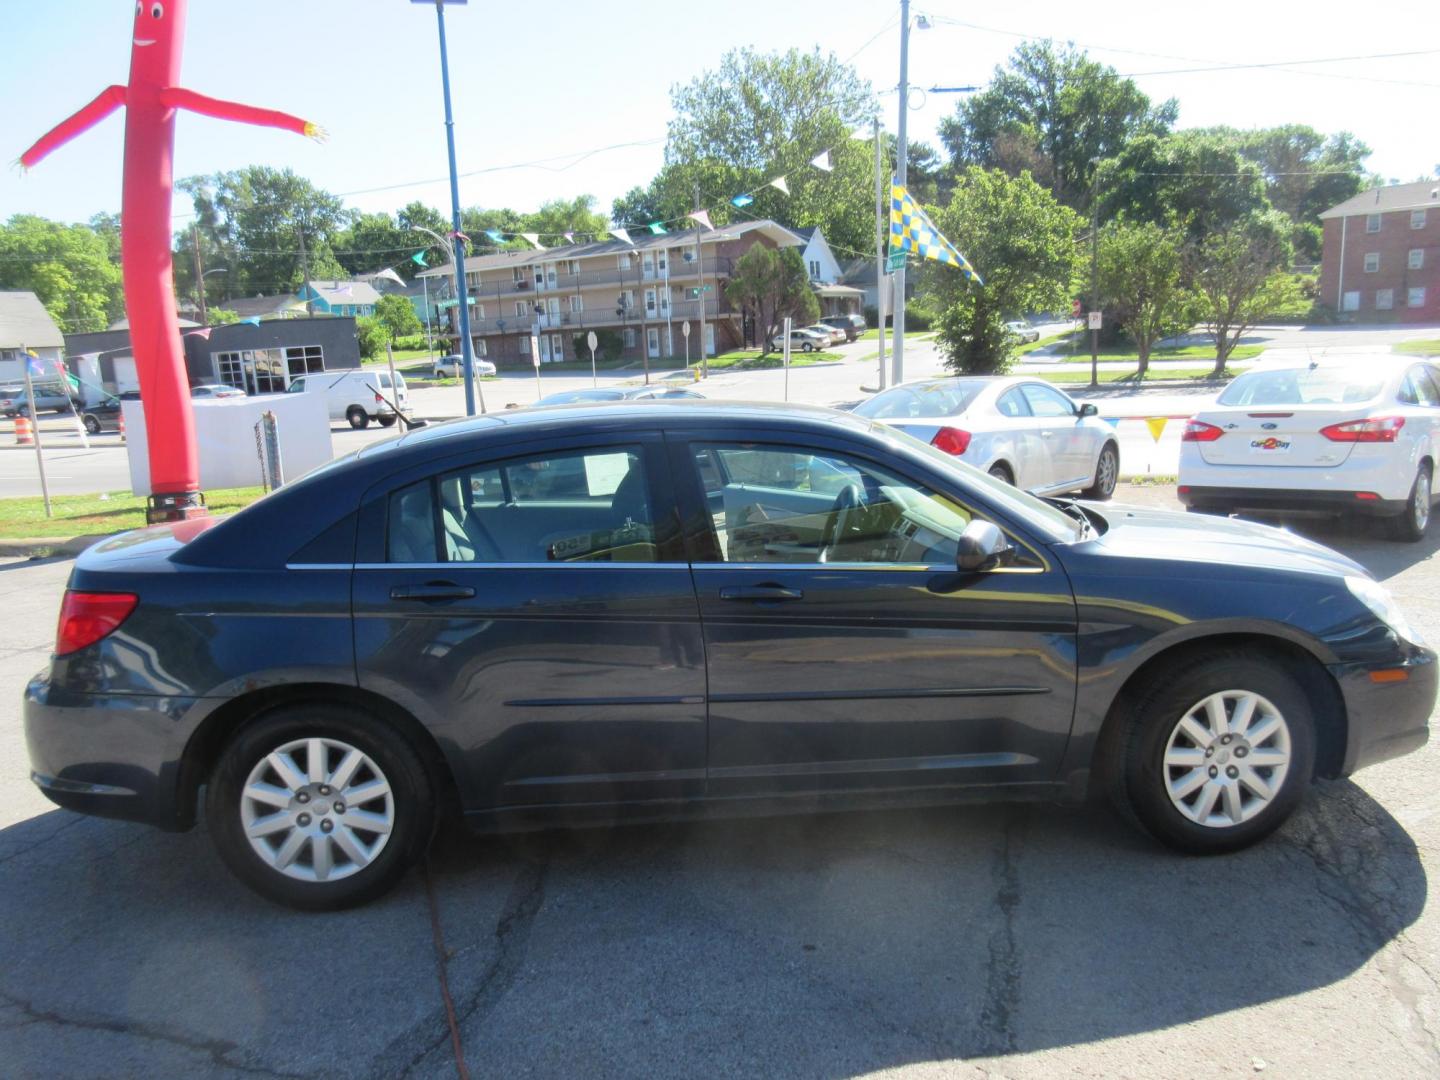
<point>821,160</point>
<point>1156,424</point>
<point>701,216</point>
<point>569,237</point>
<point>419,258</point>
<point>1113,421</point>
<point>779,184</point>
<point>622,234</point>
<point>203,332</point>
<point>389,274</point>
<point>495,237</point>
<point>534,239</point>
<point>911,230</point>
<point>742,201</point>
<point>658,228</point>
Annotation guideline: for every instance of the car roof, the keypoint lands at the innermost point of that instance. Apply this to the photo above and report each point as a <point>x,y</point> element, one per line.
<point>1302,362</point>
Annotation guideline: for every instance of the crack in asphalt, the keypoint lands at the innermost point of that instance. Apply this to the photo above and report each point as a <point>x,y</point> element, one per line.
<point>219,1050</point>
<point>1002,970</point>
<point>74,820</point>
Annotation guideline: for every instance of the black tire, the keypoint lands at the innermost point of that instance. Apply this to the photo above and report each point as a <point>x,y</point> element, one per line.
<point>92,424</point>
<point>1107,473</point>
<point>1409,527</point>
<point>23,410</point>
<point>807,347</point>
<point>358,417</point>
<point>386,421</point>
<point>410,785</point>
<point>1147,716</point>
<point>1000,471</point>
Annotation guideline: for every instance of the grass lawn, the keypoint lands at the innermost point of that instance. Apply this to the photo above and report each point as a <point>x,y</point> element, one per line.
<point>751,360</point>
<point>1420,347</point>
<point>96,515</point>
<point>1187,352</point>
<point>1197,374</point>
<point>1041,343</point>
<point>911,335</point>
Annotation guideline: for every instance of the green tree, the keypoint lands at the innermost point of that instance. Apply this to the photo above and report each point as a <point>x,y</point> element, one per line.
<point>1197,178</point>
<point>373,241</point>
<point>397,316</point>
<point>1021,240</point>
<point>69,267</point>
<point>222,316</point>
<point>1142,282</point>
<point>559,216</point>
<point>371,335</point>
<point>1052,112</point>
<point>773,284</point>
<point>1239,279</point>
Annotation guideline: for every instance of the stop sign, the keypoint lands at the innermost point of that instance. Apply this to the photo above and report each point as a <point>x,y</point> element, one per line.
<point>1075,308</point>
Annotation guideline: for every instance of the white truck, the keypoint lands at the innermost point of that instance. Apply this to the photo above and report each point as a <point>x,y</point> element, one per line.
<point>357,396</point>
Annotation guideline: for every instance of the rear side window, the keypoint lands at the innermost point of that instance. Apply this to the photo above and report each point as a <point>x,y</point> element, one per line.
<point>410,525</point>
<point>1418,389</point>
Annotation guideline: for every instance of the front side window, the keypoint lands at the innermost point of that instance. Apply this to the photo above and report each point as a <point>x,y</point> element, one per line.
<point>779,504</point>
<point>1046,402</point>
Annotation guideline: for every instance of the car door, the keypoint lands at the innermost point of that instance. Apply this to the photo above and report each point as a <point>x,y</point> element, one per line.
<point>1068,444</point>
<point>1020,442</point>
<point>534,604</point>
<point>844,650</point>
<point>1421,390</point>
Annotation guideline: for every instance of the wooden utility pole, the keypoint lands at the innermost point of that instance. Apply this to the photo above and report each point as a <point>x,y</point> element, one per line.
<point>199,274</point>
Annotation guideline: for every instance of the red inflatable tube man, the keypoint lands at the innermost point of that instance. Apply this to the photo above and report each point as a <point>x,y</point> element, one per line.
<point>151,99</point>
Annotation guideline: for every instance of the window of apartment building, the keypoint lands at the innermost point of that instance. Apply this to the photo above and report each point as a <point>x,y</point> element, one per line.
<point>479,310</point>
<point>577,304</point>
<point>647,263</point>
<point>304,359</point>
<point>481,349</point>
<point>623,260</point>
<point>650,301</point>
<point>1417,219</point>
<point>1350,301</point>
<point>627,298</point>
<point>1416,298</point>
<point>629,337</point>
<point>815,268</point>
<point>1416,261</point>
<point>521,309</point>
<point>524,345</point>
<point>1372,222</point>
<point>1384,299</point>
<point>1372,262</point>
<point>662,261</point>
<point>557,347</point>
<point>517,273</point>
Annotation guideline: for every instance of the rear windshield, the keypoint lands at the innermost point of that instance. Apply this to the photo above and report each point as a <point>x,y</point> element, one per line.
<point>949,398</point>
<point>1303,386</point>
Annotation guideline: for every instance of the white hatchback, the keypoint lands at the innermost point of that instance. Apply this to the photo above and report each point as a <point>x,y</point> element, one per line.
<point>1338,435</point>
<point>1022,430</point>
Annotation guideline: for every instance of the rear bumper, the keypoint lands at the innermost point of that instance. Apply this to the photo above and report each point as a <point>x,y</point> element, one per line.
<point>1287,501</point>
<point>111,755</point>
<point>1387,719</point>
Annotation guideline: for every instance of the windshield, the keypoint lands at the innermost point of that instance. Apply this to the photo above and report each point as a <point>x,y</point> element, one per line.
<point>948,398</point>
<point>1304,386</point>
<point>1045,519</point>
<point>570,396</point>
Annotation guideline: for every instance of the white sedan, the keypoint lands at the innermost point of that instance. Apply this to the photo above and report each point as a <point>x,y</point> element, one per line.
<point>1337,435</point>
<point>452,366</point>
<point>1023,431</point>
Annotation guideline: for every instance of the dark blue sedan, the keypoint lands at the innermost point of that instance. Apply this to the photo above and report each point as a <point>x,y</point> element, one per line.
<point>608,613</point>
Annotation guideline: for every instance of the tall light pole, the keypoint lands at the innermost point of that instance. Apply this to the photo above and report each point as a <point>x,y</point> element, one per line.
<point>1094,270</point>
<point>457,274</point>
<point>901,160</point>
<point>880,252</point>
<point>467,351</point>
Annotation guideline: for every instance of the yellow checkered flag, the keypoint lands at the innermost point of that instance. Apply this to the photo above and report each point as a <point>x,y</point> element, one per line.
<point>912,231</point>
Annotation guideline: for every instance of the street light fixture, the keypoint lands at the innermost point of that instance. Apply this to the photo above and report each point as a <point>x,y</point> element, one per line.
<point>463,301</point>
<point>200,293</point>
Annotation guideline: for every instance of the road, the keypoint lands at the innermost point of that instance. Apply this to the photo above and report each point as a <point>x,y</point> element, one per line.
<point>1020,942</point>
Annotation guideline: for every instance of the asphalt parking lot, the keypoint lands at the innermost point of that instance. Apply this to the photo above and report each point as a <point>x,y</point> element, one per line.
<point>1020,942</point>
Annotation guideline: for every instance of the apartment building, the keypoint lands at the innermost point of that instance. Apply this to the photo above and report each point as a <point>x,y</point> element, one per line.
<point>644,292</point>
<point>1381,254</point>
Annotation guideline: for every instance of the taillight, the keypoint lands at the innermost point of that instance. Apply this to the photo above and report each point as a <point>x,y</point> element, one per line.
<point>86,617</point>
<point>952,440</point>
<point>1200,431</point>
<point>1378,429</point>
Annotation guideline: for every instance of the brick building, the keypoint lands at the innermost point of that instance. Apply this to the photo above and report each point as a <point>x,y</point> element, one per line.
<point>644,292</point>
<point>1381,255</point>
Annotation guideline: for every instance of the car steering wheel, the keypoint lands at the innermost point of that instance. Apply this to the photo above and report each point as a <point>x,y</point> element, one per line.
<point>846,502</point>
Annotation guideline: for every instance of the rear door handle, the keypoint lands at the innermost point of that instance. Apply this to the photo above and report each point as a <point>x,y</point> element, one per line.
<point>435,590</point>
<point>760,592</point>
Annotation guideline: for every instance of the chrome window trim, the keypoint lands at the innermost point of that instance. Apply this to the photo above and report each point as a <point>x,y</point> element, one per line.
<point>523,566</point>
<point>918,568</point>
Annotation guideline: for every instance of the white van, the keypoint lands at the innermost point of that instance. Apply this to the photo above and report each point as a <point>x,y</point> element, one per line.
<point>357,396</point>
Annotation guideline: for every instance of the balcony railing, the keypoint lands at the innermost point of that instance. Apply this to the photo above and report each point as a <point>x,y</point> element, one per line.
<point>600,317</point>
<point>633,278</point>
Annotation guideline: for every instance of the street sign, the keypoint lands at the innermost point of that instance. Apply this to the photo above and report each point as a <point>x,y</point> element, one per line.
<point>685,328</point>
<point>592,340</point>
<point>535,352</point>
<point>1075,309</point>
<point>896,261</point>
<point>1094,320</point>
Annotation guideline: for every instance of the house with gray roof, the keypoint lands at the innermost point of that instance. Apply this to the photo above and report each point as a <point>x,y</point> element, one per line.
<point>1380,259</point>
<point>26,325</point>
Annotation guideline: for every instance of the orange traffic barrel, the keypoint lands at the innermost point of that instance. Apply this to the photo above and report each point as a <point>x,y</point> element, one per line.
<point>122,427</point>
<point>24,433</point>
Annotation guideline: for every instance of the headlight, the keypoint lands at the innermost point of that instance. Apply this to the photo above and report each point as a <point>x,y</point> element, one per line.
<point>1378,599</point>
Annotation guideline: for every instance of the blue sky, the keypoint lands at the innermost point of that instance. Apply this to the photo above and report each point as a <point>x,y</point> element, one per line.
<point>551,79</point>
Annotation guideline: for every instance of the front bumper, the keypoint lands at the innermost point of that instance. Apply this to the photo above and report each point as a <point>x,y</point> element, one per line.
<point>112,755</point>
<point>1286,501</point>
<point>1387,718</point>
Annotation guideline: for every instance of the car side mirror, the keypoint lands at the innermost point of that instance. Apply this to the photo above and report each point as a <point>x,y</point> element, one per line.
<point>1088,409</point>
<point>983,547</point>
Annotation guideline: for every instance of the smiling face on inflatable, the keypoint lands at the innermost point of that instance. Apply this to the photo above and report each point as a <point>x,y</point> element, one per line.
<point>155,43</point>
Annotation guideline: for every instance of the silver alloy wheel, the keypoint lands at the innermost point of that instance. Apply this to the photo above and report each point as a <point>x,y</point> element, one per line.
<point>1421,509</point>
<point>317,809</point>
<point>1227,758</point>
<point>1106,470</point>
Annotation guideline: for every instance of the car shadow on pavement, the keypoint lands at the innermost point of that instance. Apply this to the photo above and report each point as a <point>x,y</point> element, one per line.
<point>814,945</point>
<point>1364,541</point>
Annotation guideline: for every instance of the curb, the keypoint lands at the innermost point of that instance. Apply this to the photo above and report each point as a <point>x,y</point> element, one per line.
<point>44,547</point>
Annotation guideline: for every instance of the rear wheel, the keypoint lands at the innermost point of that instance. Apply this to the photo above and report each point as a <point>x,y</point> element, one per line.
<point>358,417</point>
<point>318,807</point>
<point>807,347</point>
<point>1000,471</point>
<point>1410,526</point>
<point>92,424</point>
<point>1215,753</point>
<point>1107,472</point>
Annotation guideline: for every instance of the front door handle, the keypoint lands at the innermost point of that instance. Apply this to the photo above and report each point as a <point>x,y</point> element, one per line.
<point>434,590</point>
<point>760,592</point>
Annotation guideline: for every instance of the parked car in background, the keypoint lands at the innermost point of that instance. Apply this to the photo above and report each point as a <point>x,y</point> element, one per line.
<point>357,397</point>
<point>102,415</point>
<point>1345,435</point>
<point>836,334</point>
<point>576,615</point>
<point>216,390</point>
<point>618,393</point>
<point>1023,330</point>
<point>853,325</point>
<point>451,367</point>
<point>49,397</point>
<point>1020,430</point>
<point>803,339</point>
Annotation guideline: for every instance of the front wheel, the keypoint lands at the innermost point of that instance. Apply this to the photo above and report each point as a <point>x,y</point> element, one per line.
<point>92,424</point>
<point>358,417</point>
<point>1214,754</point>
<point>1410,526</point>
<point>1107,472</point>
<point>318,808</point>
<point>807,347</point>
